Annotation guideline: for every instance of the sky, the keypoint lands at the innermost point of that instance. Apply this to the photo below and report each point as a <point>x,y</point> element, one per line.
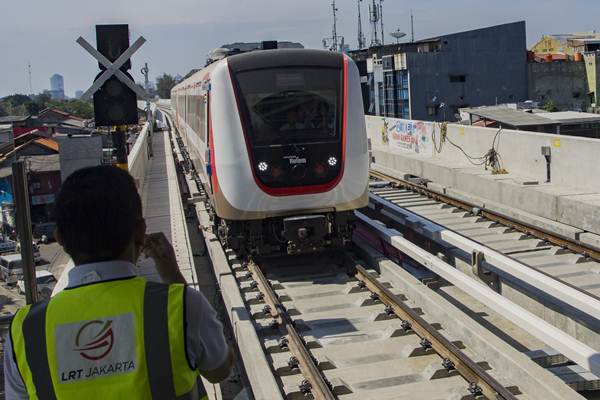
<point>180,33</point>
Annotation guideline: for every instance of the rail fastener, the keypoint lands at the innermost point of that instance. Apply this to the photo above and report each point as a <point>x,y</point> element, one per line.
<point>314,381</point>
<point>431,338</point>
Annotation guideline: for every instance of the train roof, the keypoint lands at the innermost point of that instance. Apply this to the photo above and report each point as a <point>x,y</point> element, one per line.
<point>269,58</point>
<point>285,57</point>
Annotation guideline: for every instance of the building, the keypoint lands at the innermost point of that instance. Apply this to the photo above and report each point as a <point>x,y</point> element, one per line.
<point>57,87</point>
<point>432,79</point>
<point>563,69</point>
<point>78,94</point>
<point>559,85</point>
<point>44,175</point>
<point>567,43</point>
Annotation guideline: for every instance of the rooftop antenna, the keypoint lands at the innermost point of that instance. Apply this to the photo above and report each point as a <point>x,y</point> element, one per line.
<point>412,27</point>
<point>334,45</point>
<point>381,20</point>
<point>397,34</point>
<point>29,72</point>
<point>361,37</point>
<point>374,19</point>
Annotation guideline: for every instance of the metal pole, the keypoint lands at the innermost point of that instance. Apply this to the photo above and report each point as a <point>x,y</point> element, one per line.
<point>412,27</point>
<point>118,139</point>
<point>24,229</point>
<point>381,21</point>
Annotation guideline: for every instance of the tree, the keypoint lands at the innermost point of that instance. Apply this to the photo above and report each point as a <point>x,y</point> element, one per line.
<point>16,100</point>
<point>164,84</point>
<point>3,112</point>
<point>549,106</point>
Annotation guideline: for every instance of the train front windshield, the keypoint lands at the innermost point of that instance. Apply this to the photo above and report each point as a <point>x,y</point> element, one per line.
<point>292,105</point>
<point>293,123</point>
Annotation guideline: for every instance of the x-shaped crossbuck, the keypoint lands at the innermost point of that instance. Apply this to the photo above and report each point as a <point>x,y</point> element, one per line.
<point>112,68</point>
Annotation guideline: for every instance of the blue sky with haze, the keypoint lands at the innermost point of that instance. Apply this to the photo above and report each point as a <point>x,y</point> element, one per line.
<point>181,32</point>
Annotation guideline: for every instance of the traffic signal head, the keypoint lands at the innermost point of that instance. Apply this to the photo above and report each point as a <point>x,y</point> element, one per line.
<point>115,104</point>
<point>112,41</point>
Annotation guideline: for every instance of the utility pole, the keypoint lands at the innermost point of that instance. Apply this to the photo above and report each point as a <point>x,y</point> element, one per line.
<point>361,36</point>
<point>24,229</point>
<point>381,20</point>
<point>335,37</point>
<point>412,27</point>
<point>374,19</point>
<point>29,72</point>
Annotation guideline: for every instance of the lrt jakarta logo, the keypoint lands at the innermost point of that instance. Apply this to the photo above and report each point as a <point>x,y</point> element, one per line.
<point>95,339</point>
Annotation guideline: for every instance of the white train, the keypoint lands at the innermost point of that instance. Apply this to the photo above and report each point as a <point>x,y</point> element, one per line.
<point>279,142</point>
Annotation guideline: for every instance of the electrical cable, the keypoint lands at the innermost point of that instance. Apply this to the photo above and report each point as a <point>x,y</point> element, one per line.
<point>491,159</point>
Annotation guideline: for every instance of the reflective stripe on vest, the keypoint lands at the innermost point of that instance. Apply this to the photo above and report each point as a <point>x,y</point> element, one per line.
<point>115,339</point>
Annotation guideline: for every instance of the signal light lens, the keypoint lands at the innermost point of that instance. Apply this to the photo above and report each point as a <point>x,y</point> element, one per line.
<point>263,166</point>
<point>332,161</point>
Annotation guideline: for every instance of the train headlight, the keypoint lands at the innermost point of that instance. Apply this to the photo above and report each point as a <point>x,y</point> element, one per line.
<point>332,161</point>
<point>263,166</point>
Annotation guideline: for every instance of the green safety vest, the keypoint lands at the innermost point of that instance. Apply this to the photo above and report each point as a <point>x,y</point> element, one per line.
<point>107,340</point>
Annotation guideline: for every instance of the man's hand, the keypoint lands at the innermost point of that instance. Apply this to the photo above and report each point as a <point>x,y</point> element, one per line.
<point>157,247</point>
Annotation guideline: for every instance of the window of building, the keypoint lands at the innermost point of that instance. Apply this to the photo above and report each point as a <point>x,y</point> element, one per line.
<point>458,78</point>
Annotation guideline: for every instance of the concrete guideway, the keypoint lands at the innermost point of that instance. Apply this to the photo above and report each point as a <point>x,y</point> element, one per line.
<point>579,352</point>
<point>555,284</point>
<point>493,259</point>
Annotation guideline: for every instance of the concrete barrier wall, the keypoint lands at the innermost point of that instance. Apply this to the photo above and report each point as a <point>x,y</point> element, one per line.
<point>574,160</point>
<point>138,157</point>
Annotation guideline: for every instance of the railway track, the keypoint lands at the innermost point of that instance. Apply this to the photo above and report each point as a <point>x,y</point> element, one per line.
<point>560,278</point>
<point>566,261</point>
<point>344,333</point>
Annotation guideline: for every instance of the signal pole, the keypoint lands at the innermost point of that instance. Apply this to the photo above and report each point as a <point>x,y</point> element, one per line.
<point>118,139</point>
<point>145,72</point>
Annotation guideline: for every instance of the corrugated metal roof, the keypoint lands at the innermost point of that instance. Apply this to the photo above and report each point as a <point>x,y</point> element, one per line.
<point>510,116</point>
<point>47,163</point>
<point>570,117</point>
<point>13,118</point>
<point>49,143</point>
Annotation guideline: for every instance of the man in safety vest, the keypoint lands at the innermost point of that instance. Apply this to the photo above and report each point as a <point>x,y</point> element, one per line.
<point>111,334</point>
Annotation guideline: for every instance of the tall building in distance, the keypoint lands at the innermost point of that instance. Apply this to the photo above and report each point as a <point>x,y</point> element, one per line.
<point>78,94</point>
<point>57,87</point>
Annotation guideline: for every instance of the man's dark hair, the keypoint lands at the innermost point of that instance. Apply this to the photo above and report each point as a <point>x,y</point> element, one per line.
<point>97,210</point>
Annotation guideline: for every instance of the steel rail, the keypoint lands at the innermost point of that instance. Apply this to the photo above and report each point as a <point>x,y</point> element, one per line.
<point>574,246</point>
<point>572,348</point>
<point>319,387</point>
<point>453,357</point>
<point>561,292</point>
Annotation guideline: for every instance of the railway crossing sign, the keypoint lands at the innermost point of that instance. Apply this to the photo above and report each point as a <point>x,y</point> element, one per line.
<point>114,90</point>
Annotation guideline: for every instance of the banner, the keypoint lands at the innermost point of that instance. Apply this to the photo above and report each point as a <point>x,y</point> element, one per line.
<point>408,135</point>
